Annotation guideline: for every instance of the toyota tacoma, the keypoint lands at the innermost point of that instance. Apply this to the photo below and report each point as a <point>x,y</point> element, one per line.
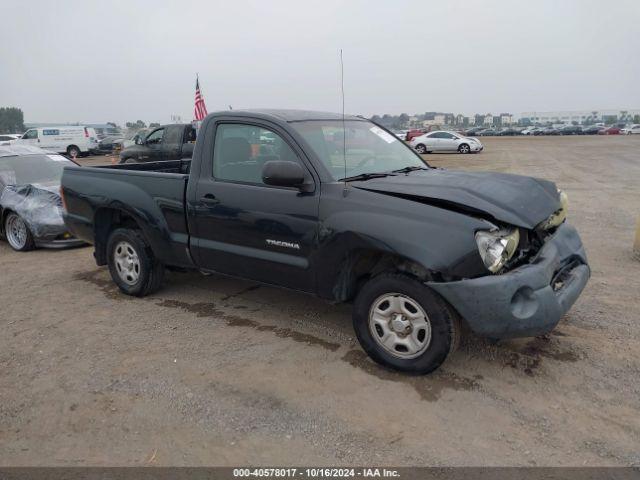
<point>338,207</point>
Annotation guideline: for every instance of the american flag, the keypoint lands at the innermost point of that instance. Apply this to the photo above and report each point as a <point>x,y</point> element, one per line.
<point>200,109</point>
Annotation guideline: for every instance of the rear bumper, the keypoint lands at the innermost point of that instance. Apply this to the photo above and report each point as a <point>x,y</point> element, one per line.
<point>529,300</point>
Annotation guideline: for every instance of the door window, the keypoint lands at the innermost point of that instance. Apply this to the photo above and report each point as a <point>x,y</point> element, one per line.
<point>30,135</point>
<point>240,152</point>
<point>173,136</point>
<point>439,135</point>
<point>155,138</point>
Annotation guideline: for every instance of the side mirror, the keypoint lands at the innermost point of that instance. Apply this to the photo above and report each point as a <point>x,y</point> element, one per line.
<point>282,174</point>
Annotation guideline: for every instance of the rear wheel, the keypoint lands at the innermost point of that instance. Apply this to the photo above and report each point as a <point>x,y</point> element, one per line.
<point>421,149</point>
<point>132,265</point>
<point>73,151</point>
<point>128,160</point>
<point>18,234</point>
<point>402,324</point>
<point>464,148</point>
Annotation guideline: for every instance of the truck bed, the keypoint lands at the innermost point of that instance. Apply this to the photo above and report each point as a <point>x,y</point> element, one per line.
<point>153,194</point>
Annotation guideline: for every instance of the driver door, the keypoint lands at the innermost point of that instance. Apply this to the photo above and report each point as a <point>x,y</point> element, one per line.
<point>245,228</point>
<point>155,146</point>
<point>433,142</point>
<point>30,138</point>
<point>448,142</point>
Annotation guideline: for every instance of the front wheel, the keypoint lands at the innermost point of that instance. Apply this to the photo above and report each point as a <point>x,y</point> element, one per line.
<point>464,148</point>
<point>421,149</point>
<point>18,234</point>
<point>402,324</point>
<point>132,265</point>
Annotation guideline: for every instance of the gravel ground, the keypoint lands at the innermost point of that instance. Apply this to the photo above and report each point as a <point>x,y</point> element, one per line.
<point>216,371</point>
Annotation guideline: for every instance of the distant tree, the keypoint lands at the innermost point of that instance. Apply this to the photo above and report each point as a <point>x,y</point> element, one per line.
<point>153,125</point>
<point>636,119</point>
<point>137,124</point>
<point>376,119</point>
<point>403,119</point>
<point>610,119</point>
<point>113,124</point>
<point>11,120</point>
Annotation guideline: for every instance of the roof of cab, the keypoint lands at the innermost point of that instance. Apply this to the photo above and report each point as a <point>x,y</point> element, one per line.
<point>17,150</point>
<point>288,115</point>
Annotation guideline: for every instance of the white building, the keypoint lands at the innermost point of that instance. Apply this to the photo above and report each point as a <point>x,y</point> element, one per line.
<point>506,119</point>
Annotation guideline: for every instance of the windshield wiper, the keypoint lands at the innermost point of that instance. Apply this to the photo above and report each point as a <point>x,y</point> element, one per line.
<point>409,169</point>
<point>365,176</point>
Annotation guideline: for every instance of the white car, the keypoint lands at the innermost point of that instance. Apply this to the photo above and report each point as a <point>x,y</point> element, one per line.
<point>441,141</point>
<point>8,138</point>
<point>529,130</point>
<point>74,140</point>
<point>401,134</point>
<point>631,129</point>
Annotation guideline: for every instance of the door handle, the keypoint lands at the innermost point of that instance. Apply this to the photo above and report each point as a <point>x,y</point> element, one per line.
<point>210,198</point>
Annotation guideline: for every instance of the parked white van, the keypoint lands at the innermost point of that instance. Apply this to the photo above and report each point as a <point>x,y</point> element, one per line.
<point>72,140</point>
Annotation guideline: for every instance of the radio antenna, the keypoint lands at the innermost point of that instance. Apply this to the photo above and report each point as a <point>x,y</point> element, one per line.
<point>344,130</point>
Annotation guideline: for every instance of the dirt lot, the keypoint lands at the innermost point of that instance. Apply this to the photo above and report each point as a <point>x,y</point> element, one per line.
<point>214,371</point>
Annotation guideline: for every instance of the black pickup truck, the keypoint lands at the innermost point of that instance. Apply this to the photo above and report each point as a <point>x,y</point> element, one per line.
<point>338,207</point>
<point>167,142</point>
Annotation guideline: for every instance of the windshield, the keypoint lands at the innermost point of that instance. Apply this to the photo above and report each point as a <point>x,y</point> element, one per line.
<point>40,169</point>
<point>368,149</point>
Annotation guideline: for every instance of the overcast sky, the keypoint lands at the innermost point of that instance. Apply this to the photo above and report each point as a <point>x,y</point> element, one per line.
<point>122,61</point>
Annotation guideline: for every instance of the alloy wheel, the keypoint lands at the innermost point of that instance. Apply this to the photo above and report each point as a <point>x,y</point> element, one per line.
<point>399,325</point>
<point>127,263</point>
<point>16,232</point>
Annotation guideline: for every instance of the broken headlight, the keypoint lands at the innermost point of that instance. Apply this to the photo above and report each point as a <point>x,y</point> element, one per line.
<point>557,217</point>
<point>496,247</point>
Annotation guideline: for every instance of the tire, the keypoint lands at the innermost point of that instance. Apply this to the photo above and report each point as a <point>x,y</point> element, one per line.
<point>464,148</point>
<point>73,151</point>
<point>128,160</point>
<point>18,234</point>
<point>132,265</point>
<point>421,149</point>
<point>436,325</point>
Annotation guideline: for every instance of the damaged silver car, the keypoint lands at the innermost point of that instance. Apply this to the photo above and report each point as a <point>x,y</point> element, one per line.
<point>30,203</point>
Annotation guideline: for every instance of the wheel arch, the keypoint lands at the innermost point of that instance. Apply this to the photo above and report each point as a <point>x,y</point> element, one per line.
<point>106,220</point>
<point>4,212</point>
<point>361,264</point>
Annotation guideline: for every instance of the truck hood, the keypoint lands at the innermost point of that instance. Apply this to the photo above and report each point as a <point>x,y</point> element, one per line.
<point>514,199</point>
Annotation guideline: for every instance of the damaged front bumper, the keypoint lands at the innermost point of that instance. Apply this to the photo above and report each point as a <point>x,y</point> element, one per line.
<point>529,300</point>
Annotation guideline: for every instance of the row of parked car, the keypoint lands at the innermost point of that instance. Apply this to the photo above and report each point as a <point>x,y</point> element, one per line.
<point>409,135</point>
<point>74,140</point>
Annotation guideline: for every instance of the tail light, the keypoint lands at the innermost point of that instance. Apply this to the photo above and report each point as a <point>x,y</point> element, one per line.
<point>64,202</point>
<point>86,132</point>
